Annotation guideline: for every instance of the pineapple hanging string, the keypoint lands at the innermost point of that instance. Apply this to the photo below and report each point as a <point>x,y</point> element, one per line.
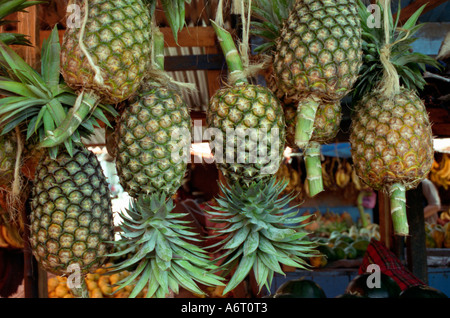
<point>249,69</point>
<point>16,187</point>
<point>391,81</point>
<point>156,73</point>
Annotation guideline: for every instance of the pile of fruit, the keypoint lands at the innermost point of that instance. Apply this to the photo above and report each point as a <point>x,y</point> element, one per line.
<point>100,284</point>
<point>339,237</point>
<point>437,235</point>
<point>351,245</point>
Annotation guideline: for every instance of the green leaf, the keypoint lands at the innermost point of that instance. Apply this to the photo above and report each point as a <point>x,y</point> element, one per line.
<point>261,272</point>
<point>251,243</point>
<point>184,280</point>
<point>238,238</point>
<point>18,89</point>
<point>143,280</point>
<point>161,276</point>
<point>266,246</point>
<point>413,18</point>
<point>162,247</point>
<point>244,267</point>
<point>271,261</point>
<point>131,278</point>
<point>50,68</point>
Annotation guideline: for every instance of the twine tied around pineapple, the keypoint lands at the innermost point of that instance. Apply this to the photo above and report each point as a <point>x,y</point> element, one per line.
<point>156,74</point>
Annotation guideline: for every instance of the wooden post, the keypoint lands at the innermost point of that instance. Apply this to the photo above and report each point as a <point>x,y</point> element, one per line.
<point>416,242</point>
<point>385,219</point>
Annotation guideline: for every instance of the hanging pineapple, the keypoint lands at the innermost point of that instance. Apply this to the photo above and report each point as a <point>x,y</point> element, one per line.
<point>316,62</point>
<point>267,22</point>
<point>260,232</point>
<point>153,142</point>
<point>391,138</point>
<point>71,217</point>
<point>103,58</point>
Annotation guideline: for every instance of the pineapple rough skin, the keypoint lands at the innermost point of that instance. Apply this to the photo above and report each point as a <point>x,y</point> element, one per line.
<point>71,219</point>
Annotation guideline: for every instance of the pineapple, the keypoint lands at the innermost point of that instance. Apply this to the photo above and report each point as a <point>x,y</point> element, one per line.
<point>71,215</point>
<point>8,149</point>
<point>316,61</point>
<point>71,219</point>
<point>260,232</point>
<point>246,106</point>
<point>318,53</point>
<point>145,142</point>
<point>104,59</point>
<point>284,27</point>
<point>154,132</point>
<point>391,137</point>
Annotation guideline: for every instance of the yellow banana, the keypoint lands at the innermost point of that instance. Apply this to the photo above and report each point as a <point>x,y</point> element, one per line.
<point>3,242</point>
<point>9,238</point>
<point>356,180</point>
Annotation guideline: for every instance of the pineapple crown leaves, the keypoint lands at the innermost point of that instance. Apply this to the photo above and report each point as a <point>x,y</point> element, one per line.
<point>408,64</point>
<point>40,101</point>
<point>261,231</point>
<point>175,12</point>
<point>166,257</point>
<point>8,7</point>
<point>267,21</point>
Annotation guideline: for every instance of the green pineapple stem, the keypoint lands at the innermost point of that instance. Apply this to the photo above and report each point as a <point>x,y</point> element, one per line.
<point>313,168</point>
<point>84,104</point>
<point>158,48</point>
<point>232,57</point>
<point>397,194</point>
<point>306,114</point>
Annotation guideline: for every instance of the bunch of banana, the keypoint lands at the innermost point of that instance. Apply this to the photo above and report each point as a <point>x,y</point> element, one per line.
<point>343,174</point>
<point>9,234</point>
<point>440,172</point>
<point>445,216</point>
<point>294,177</point>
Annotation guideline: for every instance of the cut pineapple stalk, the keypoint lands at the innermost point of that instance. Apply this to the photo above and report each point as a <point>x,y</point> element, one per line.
<point>232,57</point>
<point>306,114</point>
<point>313,168</point>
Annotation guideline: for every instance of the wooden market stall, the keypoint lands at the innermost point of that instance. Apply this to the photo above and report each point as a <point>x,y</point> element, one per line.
<point>197,58</point>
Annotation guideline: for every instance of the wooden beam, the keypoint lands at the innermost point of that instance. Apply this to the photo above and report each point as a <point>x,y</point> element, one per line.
<point>409,10</point>
<point>194,62</point>
<point>190,37</point>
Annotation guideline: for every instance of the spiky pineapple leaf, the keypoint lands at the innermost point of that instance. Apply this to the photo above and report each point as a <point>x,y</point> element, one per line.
<point>266,229</point>
<point>243,269</point>
<point>40,100</point>
<point>161,239</point>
